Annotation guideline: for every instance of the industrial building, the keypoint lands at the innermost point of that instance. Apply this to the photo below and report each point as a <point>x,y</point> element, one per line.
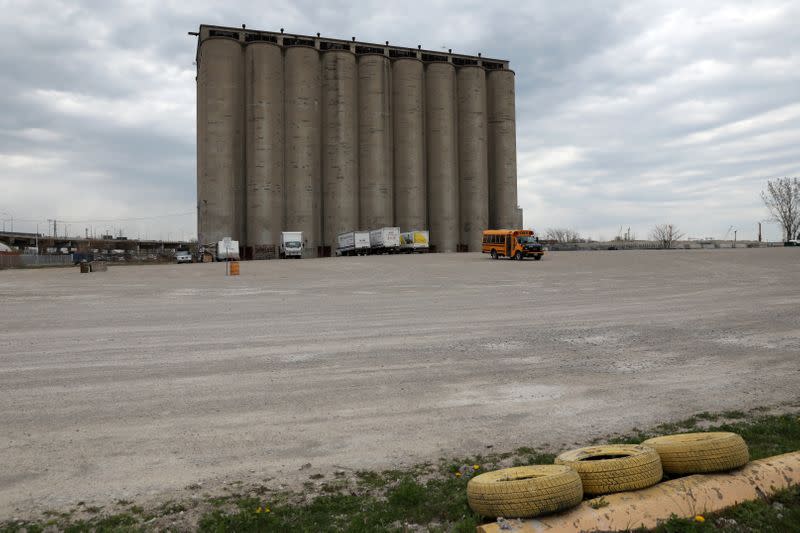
<point>306,133</point>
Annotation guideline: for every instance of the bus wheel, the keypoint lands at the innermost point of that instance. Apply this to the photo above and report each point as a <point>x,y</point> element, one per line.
<point>537,257</point>
<point>518,256</point>
<point>494,254</point>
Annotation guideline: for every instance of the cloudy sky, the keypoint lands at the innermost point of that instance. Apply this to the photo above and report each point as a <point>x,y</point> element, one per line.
<point>628,113</point>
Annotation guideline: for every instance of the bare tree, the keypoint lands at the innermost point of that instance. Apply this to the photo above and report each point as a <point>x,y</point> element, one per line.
<point>562,235</point>
<point>666,235</point>
<point>782,198</point>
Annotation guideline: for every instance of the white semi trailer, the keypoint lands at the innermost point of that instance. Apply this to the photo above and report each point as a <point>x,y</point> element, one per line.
<point>353,243</point>
<point>227,250</point>
<point>292,244</point>
<point>414,241</point>
<point>384,240</point>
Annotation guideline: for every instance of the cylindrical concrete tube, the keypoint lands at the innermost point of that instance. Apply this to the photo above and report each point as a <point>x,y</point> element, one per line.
<point>302,118</point>
<point>502,144</point>
<point>264,143</point>
<point>220,168</point>
<point>472,156</point>
<point>442,156</point>
<point>410,188</point>
<point>375,167</point>
<point>339,144</point>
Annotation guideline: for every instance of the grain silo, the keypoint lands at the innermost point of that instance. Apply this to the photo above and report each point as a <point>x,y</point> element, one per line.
<point>442,155</point>
<point>473,166</point>
<point>264,144</point>
<point>220,153</point>
<point>375,166</point>
<point>408,122</point>
<point>321,135</point>
<point>303,174</point>
<point>339,145</point>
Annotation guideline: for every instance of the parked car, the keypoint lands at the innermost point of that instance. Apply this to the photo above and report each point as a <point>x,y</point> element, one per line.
<point>182,256</point>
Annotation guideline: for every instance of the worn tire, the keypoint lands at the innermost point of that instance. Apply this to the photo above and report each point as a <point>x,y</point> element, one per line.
<point>698,453</point>
<point>524,491</point>
<point>614,467</point>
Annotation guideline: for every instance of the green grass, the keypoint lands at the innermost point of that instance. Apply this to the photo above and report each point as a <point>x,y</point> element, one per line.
<point>440,500</point>
<point>766,435</point>
<point>434,495</point>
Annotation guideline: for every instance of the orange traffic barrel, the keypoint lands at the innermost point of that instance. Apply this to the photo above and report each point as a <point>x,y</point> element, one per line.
<point>234,268</point>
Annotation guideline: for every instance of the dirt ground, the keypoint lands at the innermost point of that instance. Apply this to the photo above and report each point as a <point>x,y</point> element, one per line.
<point>142,380</point>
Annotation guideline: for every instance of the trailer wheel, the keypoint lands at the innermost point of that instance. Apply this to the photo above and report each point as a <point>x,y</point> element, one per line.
<point>494,253</point>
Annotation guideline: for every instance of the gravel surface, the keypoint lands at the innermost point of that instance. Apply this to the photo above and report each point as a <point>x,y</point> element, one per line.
<point>142,380</point>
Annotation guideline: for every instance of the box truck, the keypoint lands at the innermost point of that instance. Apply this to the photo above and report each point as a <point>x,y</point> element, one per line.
<point>414,241</point>
<point>353,243</point>
<point>384,240</point>
<point>292,244</point>
<point>227,250</point>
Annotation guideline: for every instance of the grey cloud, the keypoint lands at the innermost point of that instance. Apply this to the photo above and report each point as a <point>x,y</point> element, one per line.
<point>629,113</point>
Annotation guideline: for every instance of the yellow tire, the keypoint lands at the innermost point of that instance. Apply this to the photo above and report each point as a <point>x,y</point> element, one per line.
<point>698,453</point>
<point>614,467</point>
<point>524,491</point>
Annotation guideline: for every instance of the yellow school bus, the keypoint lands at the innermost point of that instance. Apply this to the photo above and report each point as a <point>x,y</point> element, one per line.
<point>514,244</point>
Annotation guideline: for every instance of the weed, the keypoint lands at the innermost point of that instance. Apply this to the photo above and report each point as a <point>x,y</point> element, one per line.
<point>169,507</point>
<point>598,503</point>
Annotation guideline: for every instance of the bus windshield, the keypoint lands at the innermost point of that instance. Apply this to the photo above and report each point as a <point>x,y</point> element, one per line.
<point>527,239</point>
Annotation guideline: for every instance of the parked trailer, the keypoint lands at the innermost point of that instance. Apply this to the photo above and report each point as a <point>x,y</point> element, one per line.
<point>353,243</point>
<point>227,250</point>
<point>291,244</point>
<point>414,241</point>
<point>384,240</point>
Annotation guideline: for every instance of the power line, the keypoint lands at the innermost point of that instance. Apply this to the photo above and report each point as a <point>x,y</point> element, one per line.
<point>76,221</point>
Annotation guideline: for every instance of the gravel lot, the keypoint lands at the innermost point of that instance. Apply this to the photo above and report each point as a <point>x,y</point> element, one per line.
<point>142,380</point>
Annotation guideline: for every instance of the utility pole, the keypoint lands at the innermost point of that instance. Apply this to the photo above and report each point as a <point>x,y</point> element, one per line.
<point>759,232</point>
<point>734,237</point>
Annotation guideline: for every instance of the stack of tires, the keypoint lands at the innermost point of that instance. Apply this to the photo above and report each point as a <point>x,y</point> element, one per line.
<point>528,491</point>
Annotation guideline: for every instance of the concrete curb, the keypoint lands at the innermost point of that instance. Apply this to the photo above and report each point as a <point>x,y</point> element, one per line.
<point>684,497</point>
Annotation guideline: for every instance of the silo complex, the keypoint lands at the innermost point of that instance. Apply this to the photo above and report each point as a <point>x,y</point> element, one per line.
<point>323,136</point>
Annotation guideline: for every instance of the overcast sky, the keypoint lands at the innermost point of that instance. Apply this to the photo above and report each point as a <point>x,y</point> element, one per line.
<point>628,113</point>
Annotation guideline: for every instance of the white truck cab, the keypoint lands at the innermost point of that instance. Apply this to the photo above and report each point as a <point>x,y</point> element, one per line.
<point>292,244</point>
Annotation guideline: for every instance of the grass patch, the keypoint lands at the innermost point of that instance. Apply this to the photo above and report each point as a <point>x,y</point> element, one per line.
<point>434,495</point>
<point>171,508</point>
